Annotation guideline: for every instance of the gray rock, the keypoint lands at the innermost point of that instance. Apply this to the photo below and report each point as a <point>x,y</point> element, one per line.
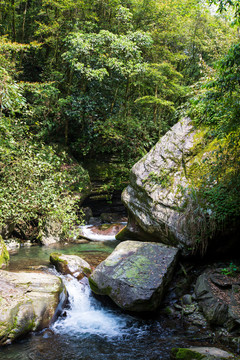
<point>6,231</point>
<point>28,302</point>
<point>87,214</point>
<point>12,244</point>
<point>135,275</point>
<point>220,304</point>
<point>154,197</point>
<point>71,264</point>
<point>110,217</point>
<point>201,353</point>
<point>4,255</point>
<point>187,299</point>
<point>51,232</point>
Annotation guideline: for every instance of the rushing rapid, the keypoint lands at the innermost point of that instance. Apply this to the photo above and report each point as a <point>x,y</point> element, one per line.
<point>85,315</point>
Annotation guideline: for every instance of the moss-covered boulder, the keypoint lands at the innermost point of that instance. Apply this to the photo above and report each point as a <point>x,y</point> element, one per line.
<point>135,275</point>
<point>71,264</point>
<point>201,353</point>
<point>169,198</point>
<point>28,302</point>
<point>4,255</point>
<point>154,198</point>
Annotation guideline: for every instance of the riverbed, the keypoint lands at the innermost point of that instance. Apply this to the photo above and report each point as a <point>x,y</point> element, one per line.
<point>89,329</point>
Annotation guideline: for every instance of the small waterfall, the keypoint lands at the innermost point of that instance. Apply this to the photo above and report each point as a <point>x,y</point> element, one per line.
<point>89,234</point>
<point>86,315</point>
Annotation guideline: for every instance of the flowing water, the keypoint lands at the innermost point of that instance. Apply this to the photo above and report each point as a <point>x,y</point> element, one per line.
<point>89,329</point>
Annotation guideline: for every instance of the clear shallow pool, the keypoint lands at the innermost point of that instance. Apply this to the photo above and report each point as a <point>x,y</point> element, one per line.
<point>93,252</point>
<point>89,330</point>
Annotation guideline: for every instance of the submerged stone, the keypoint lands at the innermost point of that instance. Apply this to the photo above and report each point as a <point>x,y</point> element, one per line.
<point>135,275</point>
<point>71,264</point>
<point>28,301</point>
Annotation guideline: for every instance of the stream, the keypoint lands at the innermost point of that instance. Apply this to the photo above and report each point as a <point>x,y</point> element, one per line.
<point>89,329</point>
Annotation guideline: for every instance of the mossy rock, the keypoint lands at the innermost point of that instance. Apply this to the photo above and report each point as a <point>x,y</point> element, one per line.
<point>201,353</point>
<point>71,264</point>
<point>4,255</point>
<point>28,302</point>
<point>135,275</point>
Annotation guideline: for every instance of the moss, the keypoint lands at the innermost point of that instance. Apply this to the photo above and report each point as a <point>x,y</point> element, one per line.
<point>186,354</point>
<point>123,234</point>
<point>94,286</point>
<point>4,255</point>
<point>55,257</point>
<point>162,178</point>
<point>104,291</point>
<point>86,271</point>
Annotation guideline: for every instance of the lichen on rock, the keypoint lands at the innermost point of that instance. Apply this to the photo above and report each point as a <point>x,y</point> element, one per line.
<point>135,276</point>
<point>28,302</point>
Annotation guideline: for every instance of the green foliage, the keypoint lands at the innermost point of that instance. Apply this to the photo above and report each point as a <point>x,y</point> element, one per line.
<point>231,270</point>
<point>36,182</point>
<point>224,5</point>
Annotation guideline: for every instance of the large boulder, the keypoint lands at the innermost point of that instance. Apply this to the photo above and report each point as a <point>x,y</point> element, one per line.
<point>218,296</point>
<point>4,255</point>
<point>28,302</point>
<point>154,198</point>
<point>135,275</point>
<point>71,264</point>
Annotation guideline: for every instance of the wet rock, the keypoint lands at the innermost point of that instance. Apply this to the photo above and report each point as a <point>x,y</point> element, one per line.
<point>4,255</point>
<point>219,300</point>
<point>201,353</point>
<point>28,301</point>
<point>196,318</point>
<point>71,264</point>
<point>135,275</point>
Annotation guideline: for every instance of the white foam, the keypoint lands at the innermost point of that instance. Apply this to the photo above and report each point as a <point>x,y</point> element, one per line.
<point>86,315</point>
<point>89,234</point>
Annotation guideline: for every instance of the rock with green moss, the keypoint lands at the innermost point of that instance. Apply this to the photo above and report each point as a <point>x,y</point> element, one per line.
<point>163,198</point>
<point>71,264</point>
<point>201,353</point>
<point>154,198</point>
<point>28,302</point>
<point>4,255</point>
<point>135,275</point>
